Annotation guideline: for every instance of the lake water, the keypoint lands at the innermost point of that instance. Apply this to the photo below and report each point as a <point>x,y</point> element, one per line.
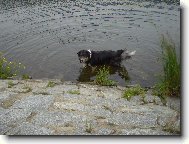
<point>46,35</point>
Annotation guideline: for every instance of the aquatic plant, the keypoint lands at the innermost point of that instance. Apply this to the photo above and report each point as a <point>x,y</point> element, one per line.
<point>102,77</point>
<point>169,84</point>
<point>9,69</point>
<point>133,91</point>
<point>26,76</point>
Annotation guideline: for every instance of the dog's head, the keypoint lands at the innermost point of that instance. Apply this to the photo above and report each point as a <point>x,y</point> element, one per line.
<point>84,56</point>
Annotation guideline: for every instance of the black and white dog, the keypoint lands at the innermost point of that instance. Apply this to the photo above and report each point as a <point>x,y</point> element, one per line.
<point>95,58</point>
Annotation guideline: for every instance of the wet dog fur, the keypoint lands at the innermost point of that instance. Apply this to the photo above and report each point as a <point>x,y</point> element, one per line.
<point>106,57</point>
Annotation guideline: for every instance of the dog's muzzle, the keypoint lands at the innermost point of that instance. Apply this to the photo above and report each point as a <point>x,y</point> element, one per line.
<point>83,59</point>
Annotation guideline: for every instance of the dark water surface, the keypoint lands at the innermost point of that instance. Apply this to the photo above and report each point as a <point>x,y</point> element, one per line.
<point>46,35</point>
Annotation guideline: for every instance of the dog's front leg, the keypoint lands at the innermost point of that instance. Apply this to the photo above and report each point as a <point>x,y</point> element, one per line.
<point>93,68</point>
<point>84,65</point>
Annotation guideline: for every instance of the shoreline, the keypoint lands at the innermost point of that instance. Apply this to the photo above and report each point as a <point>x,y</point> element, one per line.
<point>33,107</point>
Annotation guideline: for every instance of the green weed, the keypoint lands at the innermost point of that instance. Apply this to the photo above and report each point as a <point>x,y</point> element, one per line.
<point>171,128</point>
<point>44,93</point>
<point>27,89</point>
<point>133,91</point>
<point>169,84</point>
<point>26,76</point>
<point>102,77</point>
<point>88,127</point>
<point>9,69</point>
<point>74,92</point>
<point>11,84</point>
<point>51,84</point>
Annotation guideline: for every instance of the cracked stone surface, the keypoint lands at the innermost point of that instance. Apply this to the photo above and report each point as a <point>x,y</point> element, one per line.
<point>31,108</point>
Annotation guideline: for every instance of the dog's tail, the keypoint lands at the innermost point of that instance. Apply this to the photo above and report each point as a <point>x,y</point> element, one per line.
<point>127,55</point>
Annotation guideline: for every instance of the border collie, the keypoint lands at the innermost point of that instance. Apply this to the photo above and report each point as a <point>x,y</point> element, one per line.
<point>107,57</point>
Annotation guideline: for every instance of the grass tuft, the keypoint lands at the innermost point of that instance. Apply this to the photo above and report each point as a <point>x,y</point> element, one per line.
<point>26,76</point>
<point>169,85</point>
<point>51,84</point>
<point>74,92</point>
<point>27,89</point>
<point>88,127</point>
<point>11,84</point>
<point>102,77</point>
<point>133,91</point>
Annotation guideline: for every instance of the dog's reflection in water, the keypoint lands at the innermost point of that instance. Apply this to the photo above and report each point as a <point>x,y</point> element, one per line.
<point>88,73</point>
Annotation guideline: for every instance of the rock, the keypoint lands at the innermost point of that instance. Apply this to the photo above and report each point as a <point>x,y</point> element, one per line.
<point>136,100</point>
<point>4,128</point>
<point>133,120</point>
<point>83,109</point>
<point>149,99</point>
<point>5,95</point>
<point>12,116</point>
<point>70,106</point>
<point>58,118</point>
<point>34,103</point>
<point>3,85</point>
<point>173,103</point>
<point>29,129</point>
<point>104,131</point>
<point>139,131</point>
<point>99,111</point>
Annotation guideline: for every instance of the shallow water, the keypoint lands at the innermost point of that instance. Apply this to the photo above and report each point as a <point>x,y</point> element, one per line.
<point>47,35</point>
